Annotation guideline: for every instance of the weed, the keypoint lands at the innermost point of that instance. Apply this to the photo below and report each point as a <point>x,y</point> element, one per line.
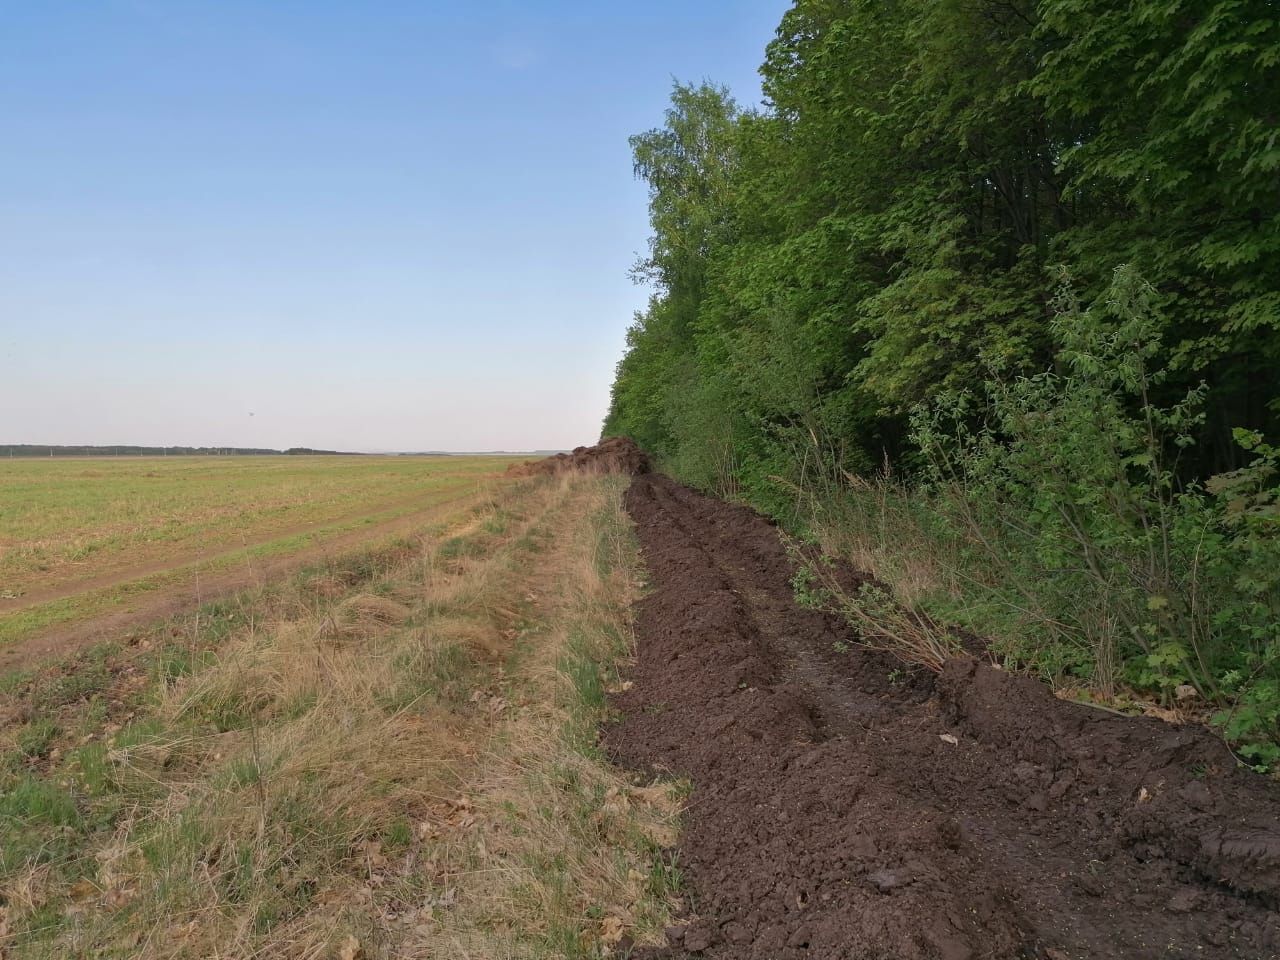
<point>880,621</point>
<point>665,878</point>
<point>38,802</point>
<point>93,769</point>
<point>89,676</point>
<point>808,591</point>
<point>398,835</point>
<point>584,675</point>
<point>36,738</point>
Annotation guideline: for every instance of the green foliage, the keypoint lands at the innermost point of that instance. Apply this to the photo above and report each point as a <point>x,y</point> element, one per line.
<point>1062,491</point>
<point>1180,161</point>
<point>808,591</point>
<point>882,238</point>
<point>36,738</point>
<point>823,265</point>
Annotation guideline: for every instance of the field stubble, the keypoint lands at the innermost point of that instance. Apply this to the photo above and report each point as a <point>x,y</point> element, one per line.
<point>88,539</point>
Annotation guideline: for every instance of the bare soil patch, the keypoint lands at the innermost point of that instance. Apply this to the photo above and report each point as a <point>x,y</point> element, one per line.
<point>847,807</point>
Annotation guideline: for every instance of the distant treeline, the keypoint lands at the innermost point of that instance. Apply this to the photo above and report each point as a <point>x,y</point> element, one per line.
<point>125,450</point>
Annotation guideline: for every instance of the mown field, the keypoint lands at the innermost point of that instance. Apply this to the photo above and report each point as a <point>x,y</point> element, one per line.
<point>388,754</point>
<point>80,537</point>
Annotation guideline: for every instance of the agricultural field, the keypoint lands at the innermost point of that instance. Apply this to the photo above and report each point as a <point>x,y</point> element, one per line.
<point>82,539</point>
<point>391,753</point>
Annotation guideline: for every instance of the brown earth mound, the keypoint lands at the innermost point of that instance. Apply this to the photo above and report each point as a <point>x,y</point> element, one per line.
<point>613,455</point>
<point>844,808</point>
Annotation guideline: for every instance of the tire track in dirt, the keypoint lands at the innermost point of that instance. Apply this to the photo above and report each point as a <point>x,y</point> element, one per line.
<point>196,587</point>
<point>64,585</point>
<point>830,819</point>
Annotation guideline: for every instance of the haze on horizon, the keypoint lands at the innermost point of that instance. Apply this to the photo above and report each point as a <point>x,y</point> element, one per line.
<point>388,226</point>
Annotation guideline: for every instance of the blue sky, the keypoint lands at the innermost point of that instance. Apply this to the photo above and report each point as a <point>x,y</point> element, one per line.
<point>373,226</point>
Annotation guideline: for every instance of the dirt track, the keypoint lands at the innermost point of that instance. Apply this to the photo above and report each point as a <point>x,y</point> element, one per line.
<point>193,584</point>
<point>830,819</point>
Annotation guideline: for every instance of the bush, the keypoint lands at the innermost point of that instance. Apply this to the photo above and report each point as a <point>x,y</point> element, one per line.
<point>1081,548</point>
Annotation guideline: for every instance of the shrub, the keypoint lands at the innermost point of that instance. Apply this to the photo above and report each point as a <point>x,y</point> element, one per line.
<point>1082,548</point>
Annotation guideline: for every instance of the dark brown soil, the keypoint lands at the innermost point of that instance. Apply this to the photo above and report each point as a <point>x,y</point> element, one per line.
<point>612,455</point>
<point>833,816</point>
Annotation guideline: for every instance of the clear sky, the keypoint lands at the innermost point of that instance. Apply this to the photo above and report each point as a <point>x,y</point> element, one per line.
<point>365,225</point>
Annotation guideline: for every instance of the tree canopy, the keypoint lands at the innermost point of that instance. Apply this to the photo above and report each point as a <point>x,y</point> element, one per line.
<point>897,216</point>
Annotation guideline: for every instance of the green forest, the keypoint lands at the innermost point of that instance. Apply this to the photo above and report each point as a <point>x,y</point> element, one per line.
<point>986,298</point>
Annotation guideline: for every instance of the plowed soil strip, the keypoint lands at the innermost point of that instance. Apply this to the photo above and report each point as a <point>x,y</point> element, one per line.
<point>846,808</point>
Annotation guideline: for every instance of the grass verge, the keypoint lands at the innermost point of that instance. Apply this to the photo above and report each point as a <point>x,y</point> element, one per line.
<point>380,760</point>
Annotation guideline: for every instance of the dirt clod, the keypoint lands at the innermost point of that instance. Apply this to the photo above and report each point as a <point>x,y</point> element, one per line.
<point>612,455</point>
<point>833,816</point>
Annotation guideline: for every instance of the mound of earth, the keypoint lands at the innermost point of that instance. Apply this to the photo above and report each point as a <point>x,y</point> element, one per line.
<point>612,455</point>
<point>844,807</point>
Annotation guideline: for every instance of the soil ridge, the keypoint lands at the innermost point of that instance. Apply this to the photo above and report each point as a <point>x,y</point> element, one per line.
<point>846,807</point>
<point>610,455</point>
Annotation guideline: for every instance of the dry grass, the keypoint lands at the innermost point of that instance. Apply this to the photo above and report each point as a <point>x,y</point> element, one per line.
<point>875,611</point>
<point>399,767</point>
<point>872,524</point>
<point>566,855</point>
